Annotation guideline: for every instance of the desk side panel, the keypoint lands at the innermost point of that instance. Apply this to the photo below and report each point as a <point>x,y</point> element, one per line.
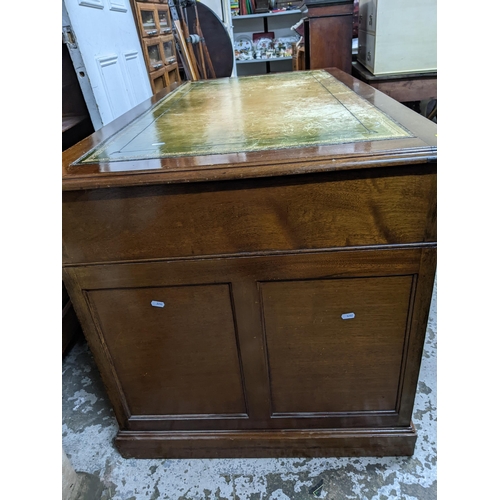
<point>176,367</point>
<point>341,209</point>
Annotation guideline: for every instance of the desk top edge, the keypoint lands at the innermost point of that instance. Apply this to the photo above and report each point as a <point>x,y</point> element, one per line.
<point>421,148</point>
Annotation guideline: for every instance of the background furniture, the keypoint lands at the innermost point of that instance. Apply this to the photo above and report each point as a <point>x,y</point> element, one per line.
<point>248,292</point>
<point>76,122</point>
<point>76,125</point>
<point>217,39</point>
<point>397,37</point>
<point>279,23</point>
<point>155,29</point>
<point>328,36</point>
<point>404,87</point>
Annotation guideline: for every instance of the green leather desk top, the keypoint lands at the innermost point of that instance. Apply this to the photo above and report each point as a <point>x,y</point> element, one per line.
<point>234,115</point>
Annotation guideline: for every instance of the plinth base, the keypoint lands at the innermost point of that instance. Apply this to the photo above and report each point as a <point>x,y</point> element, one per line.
<point>267,444</point>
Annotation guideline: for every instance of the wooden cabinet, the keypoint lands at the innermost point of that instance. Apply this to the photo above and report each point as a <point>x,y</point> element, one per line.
<point>154,24</point>
<point>160,53</point>
<point>397,37</point>
<point>164,20</point>
<point>328,34</point>
<point>334,345</point>
<point>167,46</point>
<point>269,301</point>
<point>147,19</point>
<point>332,334</point>
<point>166,374</point>
<point>154,56</point>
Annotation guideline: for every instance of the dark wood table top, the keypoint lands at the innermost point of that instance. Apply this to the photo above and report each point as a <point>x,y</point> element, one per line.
<point>244,128</point>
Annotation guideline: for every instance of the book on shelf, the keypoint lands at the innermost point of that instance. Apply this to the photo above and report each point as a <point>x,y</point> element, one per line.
<point>235,7</point>
<point>246,7</point>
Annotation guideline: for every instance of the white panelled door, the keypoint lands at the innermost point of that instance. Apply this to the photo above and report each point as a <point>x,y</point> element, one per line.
<point>104,45</point>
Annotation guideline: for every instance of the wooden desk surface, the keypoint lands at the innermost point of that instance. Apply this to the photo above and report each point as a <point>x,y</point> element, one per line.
<point>249,127</point>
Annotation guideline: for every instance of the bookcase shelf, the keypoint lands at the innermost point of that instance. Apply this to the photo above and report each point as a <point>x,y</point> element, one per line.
<point>279,23</point>
<point>273,59</point>
<point>268,14</point>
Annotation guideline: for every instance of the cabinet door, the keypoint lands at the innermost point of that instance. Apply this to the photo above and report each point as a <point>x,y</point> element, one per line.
<point>335,345</point>
<point>164,20</point>
<point>367,15</point>
<point>337,29</point>
<point>312,340</point>
<point>167,77</point>
<point>154,56</point>
<point>168,50</point>
<point>174,78</point>
<point>366,49</point>
<point>148,20</point>
<point>173,349</point>
<point>159,80</point>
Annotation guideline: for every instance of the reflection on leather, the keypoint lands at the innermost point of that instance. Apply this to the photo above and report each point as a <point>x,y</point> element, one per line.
<point>233,115</point>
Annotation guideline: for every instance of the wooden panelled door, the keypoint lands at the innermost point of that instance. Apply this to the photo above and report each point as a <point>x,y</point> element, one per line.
<point>315,340</point>
<point>105,49</point>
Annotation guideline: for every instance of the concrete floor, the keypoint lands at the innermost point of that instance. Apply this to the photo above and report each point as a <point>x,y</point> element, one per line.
<point>89,427</point>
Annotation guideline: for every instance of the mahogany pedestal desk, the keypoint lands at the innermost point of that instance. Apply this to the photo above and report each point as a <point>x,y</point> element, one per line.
<point>252,262</point>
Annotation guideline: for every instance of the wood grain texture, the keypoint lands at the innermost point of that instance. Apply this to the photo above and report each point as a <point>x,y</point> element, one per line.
<point>97,346</point>
<point>419,320</point>
<point>280,444</point>
<point>325,263</point>
<point>366,208</point>
<point>246,275</point>
<point>178,359</point>
<point>330,41</point>
<point>405,91</point>
<point>255,258</point>
<point>322,363</point>
<point>402,87</point>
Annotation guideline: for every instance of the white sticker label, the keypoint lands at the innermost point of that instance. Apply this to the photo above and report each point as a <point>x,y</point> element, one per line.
<point>155,303</point>
<point>348,316</point>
